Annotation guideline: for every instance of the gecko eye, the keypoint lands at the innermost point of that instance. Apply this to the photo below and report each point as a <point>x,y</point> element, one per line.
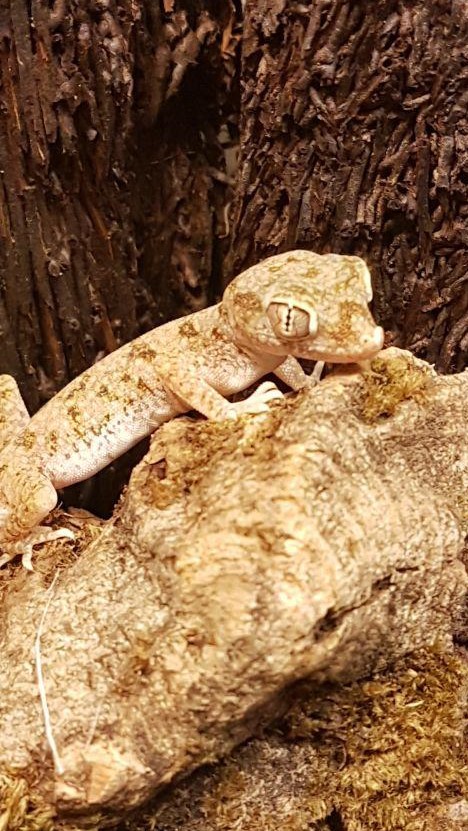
<point>291,322</point>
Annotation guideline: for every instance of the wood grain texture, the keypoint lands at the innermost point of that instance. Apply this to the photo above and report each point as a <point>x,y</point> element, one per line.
<point>108,203</point>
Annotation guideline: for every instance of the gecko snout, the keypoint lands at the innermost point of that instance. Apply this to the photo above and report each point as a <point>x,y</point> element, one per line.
<point>375,339</point>
<point>370,342</point>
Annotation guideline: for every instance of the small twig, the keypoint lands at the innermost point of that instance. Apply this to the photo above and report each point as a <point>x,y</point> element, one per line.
<point>40,680</point>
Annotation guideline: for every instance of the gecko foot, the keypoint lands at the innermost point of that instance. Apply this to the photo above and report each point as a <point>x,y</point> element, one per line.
<point>259,401</point>
<point>24,547</point>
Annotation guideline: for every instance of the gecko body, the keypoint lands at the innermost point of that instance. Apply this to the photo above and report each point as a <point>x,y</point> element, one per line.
<point>297,304</point>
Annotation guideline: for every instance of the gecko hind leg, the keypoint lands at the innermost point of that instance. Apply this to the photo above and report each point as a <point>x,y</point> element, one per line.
<point>13,413</point>
<point>34,498</point>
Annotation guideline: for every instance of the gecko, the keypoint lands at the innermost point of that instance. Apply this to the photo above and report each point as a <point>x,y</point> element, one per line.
<point>292,305</point>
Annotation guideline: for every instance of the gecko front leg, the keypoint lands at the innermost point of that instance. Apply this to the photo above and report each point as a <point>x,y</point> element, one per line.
<point>291,372</point>
<point>27,497</point>
<point>317,371</point>
<point>198,394</point>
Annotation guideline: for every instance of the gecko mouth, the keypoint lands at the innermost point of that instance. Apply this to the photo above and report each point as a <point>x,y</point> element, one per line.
<point>363,348</point>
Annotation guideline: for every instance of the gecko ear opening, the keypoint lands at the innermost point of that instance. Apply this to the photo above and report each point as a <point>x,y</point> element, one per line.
<point>290,322</point>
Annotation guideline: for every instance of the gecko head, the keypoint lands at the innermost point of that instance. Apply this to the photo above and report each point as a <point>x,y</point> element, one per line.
<point>307,305</point>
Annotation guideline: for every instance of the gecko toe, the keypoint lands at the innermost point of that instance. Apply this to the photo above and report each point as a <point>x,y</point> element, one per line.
<point>262,396</point>
<point>317,372</point>
<point>63,532</point>
<point>268,388</point>
<point>26,559</point>
<point>260,400</point>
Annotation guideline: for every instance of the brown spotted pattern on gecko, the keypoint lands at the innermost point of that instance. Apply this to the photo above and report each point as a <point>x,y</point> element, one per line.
<point>293,305</point>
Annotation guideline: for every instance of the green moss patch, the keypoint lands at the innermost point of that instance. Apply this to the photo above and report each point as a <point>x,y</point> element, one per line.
<point>391,381</point>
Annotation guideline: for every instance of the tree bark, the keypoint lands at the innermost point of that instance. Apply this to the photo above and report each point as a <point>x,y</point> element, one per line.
<point>354,140</point>
<point>110,200</point>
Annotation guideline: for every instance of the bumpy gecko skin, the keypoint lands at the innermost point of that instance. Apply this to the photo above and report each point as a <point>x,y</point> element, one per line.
<point>297,304</point>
